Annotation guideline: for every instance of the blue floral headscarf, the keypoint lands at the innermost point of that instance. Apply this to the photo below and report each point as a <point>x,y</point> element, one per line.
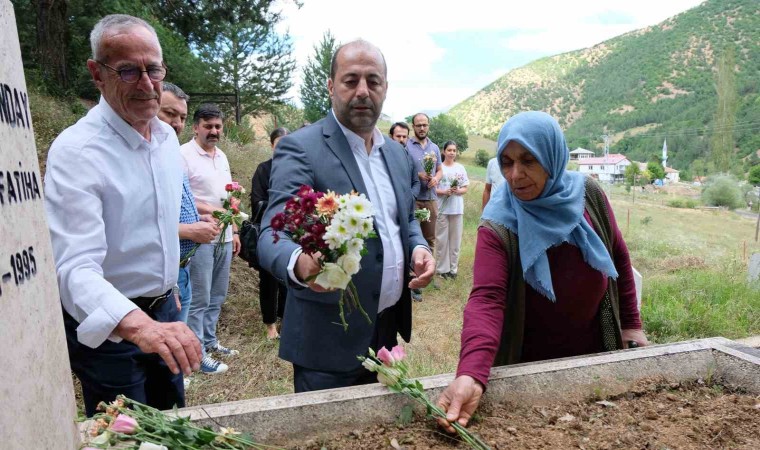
<point>555,216</point>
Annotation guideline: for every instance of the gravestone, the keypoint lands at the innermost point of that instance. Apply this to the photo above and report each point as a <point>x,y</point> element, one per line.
<point>37,408</point>
<point>754,268</point>
<point>638,281</point>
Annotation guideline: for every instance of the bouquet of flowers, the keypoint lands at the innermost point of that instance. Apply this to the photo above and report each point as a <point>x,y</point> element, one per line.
<point>428,163</point>
<point>335,227</point>
<point>231,214</point>
<point>422,215</point>
<point>127,424</point>
<point>453,182</point>
<point>392,372</point>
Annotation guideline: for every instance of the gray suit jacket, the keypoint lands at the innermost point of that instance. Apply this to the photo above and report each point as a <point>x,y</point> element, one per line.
<point>319,156</point>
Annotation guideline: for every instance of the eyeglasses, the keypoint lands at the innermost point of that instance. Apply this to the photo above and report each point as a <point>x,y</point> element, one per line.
<point>132,75</point>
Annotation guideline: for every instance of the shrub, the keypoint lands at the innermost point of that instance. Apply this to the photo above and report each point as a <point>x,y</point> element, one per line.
<point>242,134</point>
<point>682,203</point>
<point>722,190</point>
<point>482,157</point>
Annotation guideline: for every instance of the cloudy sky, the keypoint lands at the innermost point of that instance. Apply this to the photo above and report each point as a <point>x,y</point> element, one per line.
<point>439,52</point>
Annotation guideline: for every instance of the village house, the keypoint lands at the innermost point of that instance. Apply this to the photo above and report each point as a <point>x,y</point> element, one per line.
<point>610,168</point>
<point>580,153</point>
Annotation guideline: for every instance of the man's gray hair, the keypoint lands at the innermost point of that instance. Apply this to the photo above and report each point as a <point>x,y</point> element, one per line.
<point>114,23</point>
<point>174,89</point>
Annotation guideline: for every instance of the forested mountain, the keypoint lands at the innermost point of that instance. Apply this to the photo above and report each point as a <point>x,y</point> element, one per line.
<point>642,87</point>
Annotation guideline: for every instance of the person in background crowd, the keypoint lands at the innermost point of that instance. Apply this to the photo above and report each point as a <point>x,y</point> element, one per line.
<point>346,152</point>
<point>112,195</point>
<point>494,179</point>
<point>192,227</point>
<point>399,132</point>
<point>272,294</point>
<point>450,212</point>
<point>418,146</point>
<point>209,172</point>
<point>552,274</point>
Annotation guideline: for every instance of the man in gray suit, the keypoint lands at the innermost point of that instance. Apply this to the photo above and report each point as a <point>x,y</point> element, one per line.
<point>345,152</point>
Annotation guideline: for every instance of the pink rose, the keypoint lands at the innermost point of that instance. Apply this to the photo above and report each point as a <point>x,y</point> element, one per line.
<point>124,424</point>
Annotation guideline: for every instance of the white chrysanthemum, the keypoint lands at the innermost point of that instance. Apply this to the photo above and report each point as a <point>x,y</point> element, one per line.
<point>366,226</point>
<point>353,225</point>
<point>355,246</point>
<point>360,206</point>
<point>343,200</point>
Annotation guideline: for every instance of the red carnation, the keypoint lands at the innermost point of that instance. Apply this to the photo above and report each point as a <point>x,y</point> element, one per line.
<point>278,222</point>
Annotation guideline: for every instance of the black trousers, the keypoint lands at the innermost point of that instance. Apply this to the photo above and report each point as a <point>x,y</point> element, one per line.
<point>122,368</point>
<point>271,297</point>
<point>385,335</point>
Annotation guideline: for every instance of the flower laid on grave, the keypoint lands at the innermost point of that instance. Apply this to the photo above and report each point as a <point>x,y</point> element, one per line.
<point>334,228</point>
<point>127,424</point>
<point>231,214</point>
<point>428,163</point>
<point>392,372</point>
<point>422,215</point>
<point>453,182</point>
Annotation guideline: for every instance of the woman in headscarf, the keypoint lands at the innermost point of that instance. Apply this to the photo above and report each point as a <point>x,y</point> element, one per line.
<point>552,274</point>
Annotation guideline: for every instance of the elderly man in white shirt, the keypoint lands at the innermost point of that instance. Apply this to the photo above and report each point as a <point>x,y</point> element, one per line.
<point>112,190</point>
<point>209,172</point>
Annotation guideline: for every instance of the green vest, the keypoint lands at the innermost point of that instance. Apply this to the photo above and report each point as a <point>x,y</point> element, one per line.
<point>513,328</point>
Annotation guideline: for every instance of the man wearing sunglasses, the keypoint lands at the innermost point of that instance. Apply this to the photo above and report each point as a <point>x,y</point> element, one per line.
<point>112,188</point>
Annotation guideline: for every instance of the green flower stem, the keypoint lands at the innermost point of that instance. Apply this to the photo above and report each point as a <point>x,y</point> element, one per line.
<point>342,313</point>
<point>415,391</point>
<point>357,302</point>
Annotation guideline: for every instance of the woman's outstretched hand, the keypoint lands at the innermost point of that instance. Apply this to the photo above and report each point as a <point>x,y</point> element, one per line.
<point>459,400</point>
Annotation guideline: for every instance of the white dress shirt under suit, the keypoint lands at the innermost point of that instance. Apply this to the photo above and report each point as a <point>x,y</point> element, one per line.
<point>112,200</point>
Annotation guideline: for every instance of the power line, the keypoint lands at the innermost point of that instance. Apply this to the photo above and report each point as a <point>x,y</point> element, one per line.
<point>746,126</point>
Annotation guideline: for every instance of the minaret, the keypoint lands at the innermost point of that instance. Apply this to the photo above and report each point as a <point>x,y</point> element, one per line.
<point>665,153</point>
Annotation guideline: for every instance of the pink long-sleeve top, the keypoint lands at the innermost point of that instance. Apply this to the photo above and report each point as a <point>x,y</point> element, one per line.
<point>567,327</point>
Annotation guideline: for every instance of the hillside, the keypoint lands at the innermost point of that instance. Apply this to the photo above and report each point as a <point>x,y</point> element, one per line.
<point>641,87</point>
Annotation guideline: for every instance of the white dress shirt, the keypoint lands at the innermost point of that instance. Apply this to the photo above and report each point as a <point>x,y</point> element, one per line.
<point>112,200</point>
<point>208,176</point>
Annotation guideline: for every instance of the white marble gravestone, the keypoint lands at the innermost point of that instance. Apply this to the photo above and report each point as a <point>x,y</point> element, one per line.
<point>638,281</point>
<point>37,408</point>
<point>754,268</point>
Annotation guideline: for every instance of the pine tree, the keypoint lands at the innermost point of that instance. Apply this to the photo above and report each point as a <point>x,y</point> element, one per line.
<point>314,95</point>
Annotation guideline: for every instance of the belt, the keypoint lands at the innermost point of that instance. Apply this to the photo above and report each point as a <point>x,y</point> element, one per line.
<point>183,264</point>
<point>148,304</point>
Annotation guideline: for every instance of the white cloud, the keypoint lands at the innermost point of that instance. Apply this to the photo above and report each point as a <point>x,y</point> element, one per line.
<point>403,31</point>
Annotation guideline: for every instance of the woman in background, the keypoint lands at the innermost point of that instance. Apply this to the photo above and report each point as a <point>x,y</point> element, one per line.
<point>271,293</point>
<point>448,227</point>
